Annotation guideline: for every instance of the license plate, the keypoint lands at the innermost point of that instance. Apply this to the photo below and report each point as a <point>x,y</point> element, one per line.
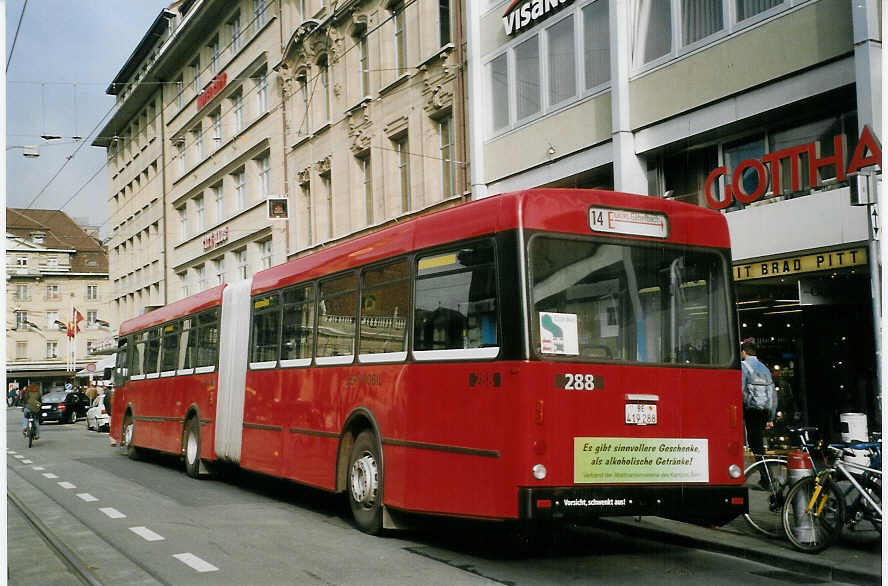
<point>46,407</point>
<point>641,414</point>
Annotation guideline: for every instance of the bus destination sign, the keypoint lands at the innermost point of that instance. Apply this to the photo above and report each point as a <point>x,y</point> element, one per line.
<point>631,222</point>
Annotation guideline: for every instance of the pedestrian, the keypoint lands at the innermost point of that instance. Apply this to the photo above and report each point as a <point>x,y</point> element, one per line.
<point>759,397</point>
<point>92,392</point>
<point>31,401</point>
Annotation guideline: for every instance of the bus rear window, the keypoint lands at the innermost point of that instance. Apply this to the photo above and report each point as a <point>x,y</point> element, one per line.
<point>456,301</point>
<point>629,302</point>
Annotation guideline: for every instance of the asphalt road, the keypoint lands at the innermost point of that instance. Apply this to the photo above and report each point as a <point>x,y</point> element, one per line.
<point>146,522</point>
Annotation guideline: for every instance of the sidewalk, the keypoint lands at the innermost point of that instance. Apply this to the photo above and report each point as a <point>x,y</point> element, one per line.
<point>851,559</point>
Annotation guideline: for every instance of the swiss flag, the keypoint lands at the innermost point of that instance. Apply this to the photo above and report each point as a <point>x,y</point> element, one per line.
<point>73,324</point>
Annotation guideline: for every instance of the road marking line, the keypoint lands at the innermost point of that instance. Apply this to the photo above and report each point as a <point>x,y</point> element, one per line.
<point>39,468</point>
<point>113,513</point>
<point>66,485</point>
<point>49,475</point>
<point>8,451</point>
<point>146,534</point>
<point>18,456</point>
<point>87,497</point>
<point>27,461</point>
<point>189,559</point>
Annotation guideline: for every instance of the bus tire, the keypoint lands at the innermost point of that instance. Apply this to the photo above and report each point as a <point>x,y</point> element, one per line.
<point>365,483</point>
<point>127,436</point>
<point>192,448</point>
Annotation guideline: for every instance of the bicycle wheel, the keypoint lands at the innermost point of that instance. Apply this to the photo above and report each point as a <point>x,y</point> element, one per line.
<point>767,482</point>
<point>861,517</point>
<point>30,433</point>
<point>813,530</point>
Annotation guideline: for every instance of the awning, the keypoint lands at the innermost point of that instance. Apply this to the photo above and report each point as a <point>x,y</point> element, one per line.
<point>101,365</point>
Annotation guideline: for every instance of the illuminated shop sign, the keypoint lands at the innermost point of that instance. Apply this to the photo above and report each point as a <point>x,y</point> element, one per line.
<point>822,261</point>
<point>212,90</point>
<point>215,238</point>
<point>767,169</point>
<point>524,13</point>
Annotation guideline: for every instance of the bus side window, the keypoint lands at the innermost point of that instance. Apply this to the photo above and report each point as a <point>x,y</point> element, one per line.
<point>121,364</point>
<point>207,338</point>
<point>187,344</point>
<point>297,336</point>
<point>152,351</point>
<point>170,348</point>
<point>337,311</point>
<point>266,328</point>
<point>385,294</point>
<point>137,355</point>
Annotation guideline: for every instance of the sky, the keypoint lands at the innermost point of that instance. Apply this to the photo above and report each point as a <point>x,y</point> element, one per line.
<point>66,54</point>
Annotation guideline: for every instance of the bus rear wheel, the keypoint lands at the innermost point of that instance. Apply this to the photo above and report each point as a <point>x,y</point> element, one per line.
<point>365,483</point>
<point>192,448</point>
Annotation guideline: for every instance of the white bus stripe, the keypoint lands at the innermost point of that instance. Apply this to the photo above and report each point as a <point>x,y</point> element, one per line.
<point>146,534</point>
<point>66,485</point>
<point>113,513</point>
<point>85,496</point>
<point>195,562</point>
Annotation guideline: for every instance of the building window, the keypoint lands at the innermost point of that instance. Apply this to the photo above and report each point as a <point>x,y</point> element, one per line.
<point>260,13</point>
<point>402,148</point>
<point>21,261</point>
<point>596,43</point>
<point>400,43</point>
<point>92,292</point>
<point>365,66</point>
<point>180,93</point>
<point>183,223</point>
<point>367,186</point>
<point>216,123</point>
<point>51,318</point>
<point>263,168</point>
<point>443,22</point>
<point>242,266</point>
<point>195,76</point>
<point>240,189</point>
<point>183,284</point>
<point>499,89</point>
<point>234,30</point>
<point>305,125</point>
<point>92,319</point>
<point>448,173</point>
<point>219,264</point>
<point>213,49</point>
<point>699,19</point>
<point>265,253</point>
<point>261,81</point>
<point>237,111</point>
<point>199,215</point>
<point>325,88</point>
<point>22,293</point>
<point>52,349</point>
<point>180,152</point>
<point>527,66</point>
<point>21,319</point>
<point>21,350</point>
<point>53,293</point>
<point>653,34</point>
<point>197,139</point>
<point>219,198</point>
<point>749,8</point>
<point>201,271</point>
<point>562,61</point>
<point>328,197</point>
<point>306,193</point>
<point>300,10</point>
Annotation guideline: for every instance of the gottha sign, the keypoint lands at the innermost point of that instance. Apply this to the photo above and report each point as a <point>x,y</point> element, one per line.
<point>520,15</point>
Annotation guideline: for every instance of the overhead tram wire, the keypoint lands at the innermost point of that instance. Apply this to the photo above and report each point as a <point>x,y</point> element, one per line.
<point>15,38</point>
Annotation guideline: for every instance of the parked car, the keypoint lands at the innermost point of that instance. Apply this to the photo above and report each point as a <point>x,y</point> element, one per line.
<point>97,417</point>
<point>63,406</point>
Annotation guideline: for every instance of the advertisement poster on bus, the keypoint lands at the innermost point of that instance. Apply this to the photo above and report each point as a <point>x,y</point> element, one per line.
<point>602,460</point>
<point>558,333</point>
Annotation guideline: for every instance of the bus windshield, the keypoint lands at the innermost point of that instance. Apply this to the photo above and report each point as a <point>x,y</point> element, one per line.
<point>629,302</point>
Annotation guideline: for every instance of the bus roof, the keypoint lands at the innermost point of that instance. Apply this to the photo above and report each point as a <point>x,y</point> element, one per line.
<point>194,303</point>
<point>556,210</point>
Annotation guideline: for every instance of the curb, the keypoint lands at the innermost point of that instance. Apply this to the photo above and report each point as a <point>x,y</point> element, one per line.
<point>741,546</point>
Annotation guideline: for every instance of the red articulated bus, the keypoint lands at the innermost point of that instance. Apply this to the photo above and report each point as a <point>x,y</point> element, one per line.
<point>550,354</point>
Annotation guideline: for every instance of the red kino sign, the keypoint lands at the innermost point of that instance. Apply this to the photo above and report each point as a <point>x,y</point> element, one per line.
<point>212,90</point>
<point>215,238</point>
<point>767,170</point>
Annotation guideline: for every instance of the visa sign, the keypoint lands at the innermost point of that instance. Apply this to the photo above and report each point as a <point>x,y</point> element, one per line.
<point>519,16</point>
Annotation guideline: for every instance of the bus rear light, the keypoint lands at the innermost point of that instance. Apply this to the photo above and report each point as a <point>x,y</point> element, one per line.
<point>735,471</point>
<point>539,471</point>
<point>539,412</point>
<point>539,447</point>
<point>732,416</point>
<point>737,500</point>
<point>544,503</point>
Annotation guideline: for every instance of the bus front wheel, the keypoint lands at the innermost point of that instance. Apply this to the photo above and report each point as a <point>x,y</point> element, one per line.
<point>192,448</point>
<point>365,482</point>
<point>128,430</point>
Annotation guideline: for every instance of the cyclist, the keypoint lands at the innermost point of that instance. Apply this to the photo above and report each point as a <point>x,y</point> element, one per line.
<point>31,401</point>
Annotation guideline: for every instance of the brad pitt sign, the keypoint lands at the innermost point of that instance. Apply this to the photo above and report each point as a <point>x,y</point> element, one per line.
<point>524,13</point>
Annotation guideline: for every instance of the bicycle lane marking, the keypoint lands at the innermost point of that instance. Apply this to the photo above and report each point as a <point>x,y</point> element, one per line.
<point>197,564</point>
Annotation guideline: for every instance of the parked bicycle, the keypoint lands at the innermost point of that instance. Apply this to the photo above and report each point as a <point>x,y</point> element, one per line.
<point>816,508</point>
<point>767,481</point>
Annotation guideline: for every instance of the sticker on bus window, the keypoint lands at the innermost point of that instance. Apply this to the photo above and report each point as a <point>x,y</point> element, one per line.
<point>558,333</point>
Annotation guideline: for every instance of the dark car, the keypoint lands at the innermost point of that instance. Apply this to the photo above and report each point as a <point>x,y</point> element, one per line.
<point>63,406</point>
